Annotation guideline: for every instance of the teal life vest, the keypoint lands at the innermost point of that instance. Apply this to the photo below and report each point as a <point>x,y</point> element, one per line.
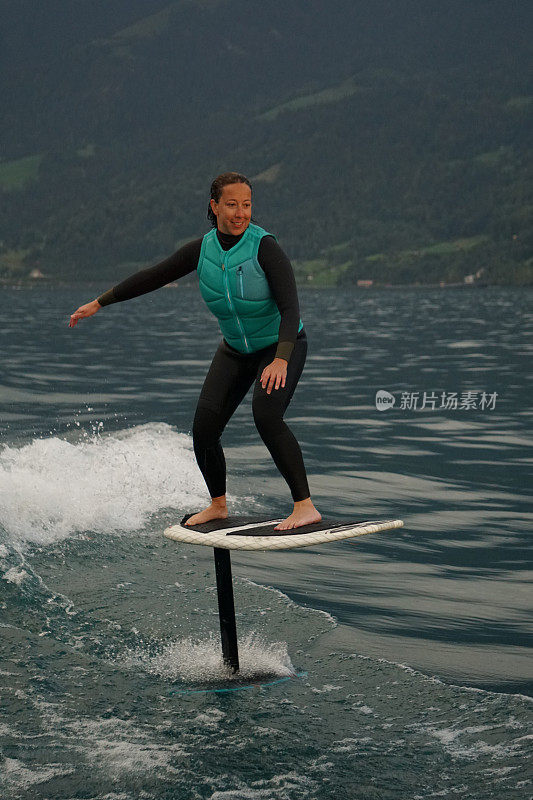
<point>235,288</point>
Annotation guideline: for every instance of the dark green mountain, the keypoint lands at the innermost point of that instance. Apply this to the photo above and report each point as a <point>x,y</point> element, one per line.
<point>386,140</point>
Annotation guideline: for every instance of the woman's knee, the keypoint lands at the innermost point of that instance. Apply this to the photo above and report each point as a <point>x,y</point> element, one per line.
<point>268,416</point>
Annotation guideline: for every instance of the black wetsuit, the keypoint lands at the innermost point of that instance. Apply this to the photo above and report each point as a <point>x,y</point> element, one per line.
<point>232,373</point>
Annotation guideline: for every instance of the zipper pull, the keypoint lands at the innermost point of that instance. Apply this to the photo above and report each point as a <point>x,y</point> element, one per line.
<point>223,266</point>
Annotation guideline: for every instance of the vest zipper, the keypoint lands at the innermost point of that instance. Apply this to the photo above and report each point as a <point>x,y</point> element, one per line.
<point>233,310</point>
<point>239,272</point>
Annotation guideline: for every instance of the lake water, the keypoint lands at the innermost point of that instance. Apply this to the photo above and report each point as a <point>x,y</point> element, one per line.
<point>396,665</point>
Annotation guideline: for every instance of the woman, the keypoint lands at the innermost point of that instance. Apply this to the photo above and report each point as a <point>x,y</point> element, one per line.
<point>248,283</point>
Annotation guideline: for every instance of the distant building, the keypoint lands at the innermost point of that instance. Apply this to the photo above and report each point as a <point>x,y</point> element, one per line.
<point>36,273</point>
<point>365,283</point>
<point>475,277</point>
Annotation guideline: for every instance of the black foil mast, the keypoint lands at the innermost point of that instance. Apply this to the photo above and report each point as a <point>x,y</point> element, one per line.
<point>226,608</point>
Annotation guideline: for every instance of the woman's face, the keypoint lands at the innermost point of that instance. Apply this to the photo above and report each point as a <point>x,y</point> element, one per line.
<point>234,209</point>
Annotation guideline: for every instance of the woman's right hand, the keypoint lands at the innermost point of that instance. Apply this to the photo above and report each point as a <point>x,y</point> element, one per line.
<point>84,311</point>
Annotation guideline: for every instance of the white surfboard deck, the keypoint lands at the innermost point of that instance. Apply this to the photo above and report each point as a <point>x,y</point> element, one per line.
<point>253,533</point>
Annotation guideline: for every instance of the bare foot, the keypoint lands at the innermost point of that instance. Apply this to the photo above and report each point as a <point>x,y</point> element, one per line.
<point>214,511</point>
<point>304,514</point>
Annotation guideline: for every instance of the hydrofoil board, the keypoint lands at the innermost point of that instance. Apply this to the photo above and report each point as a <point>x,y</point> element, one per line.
<point>256,533</point>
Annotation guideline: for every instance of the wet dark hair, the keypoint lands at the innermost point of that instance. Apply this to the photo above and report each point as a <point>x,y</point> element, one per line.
<point>217,186</point>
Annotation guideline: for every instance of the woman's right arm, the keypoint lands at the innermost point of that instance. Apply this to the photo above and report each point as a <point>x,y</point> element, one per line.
<point>182,262</point>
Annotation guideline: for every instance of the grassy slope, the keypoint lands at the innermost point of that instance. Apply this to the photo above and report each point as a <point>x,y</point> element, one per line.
<point>410,171</point>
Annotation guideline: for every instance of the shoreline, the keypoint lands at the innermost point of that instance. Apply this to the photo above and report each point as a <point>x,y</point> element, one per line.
<point>55,282</point>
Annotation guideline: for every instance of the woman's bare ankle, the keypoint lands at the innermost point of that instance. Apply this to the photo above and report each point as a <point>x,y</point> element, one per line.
<point>219,502</point>
<point>307,503</point>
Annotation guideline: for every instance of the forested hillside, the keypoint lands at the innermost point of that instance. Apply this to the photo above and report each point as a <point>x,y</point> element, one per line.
<point>387,141</point>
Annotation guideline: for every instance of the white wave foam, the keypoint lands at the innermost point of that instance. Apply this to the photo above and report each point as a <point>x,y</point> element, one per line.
<point>433,679</point>
<point>52,488</point>
<point>124,747</point>
<point>15,575</point>
<point>16,774</point>
<point>201,661</point>
<point>287,784</point>
<point>453,741</point>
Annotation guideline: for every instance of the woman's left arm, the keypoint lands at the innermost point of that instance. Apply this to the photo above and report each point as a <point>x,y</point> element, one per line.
<point>280,276</point>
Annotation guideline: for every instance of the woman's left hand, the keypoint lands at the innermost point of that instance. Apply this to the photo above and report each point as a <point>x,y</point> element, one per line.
<point>274,375</point>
